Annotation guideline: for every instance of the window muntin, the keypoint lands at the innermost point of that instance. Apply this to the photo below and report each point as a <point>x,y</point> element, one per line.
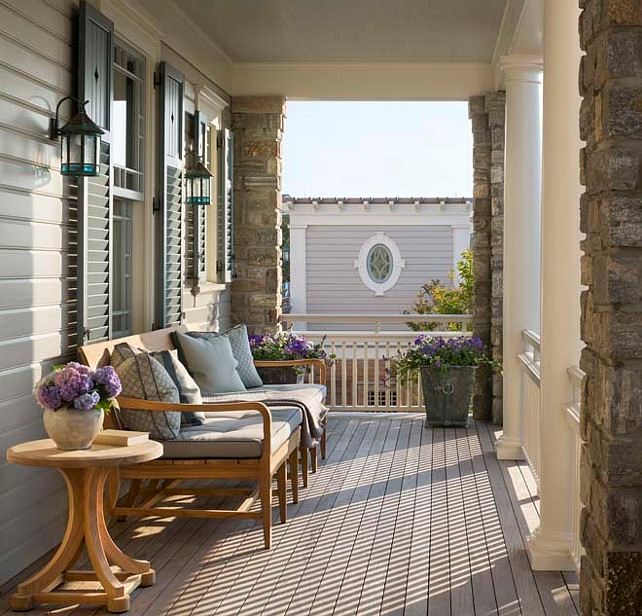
<point>379,263</point>
<point>122,269</point>
<point>128,124</point>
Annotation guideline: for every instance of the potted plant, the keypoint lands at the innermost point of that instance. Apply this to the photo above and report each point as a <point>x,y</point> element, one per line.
<point>285,346</point>
<point>447,368</point>
<point>74,399</point>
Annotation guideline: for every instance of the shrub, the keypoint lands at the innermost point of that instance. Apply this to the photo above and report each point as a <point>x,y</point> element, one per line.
<point>436,298</point>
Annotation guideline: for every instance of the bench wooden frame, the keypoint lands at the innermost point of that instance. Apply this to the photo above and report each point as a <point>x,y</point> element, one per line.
<point>165,476</point>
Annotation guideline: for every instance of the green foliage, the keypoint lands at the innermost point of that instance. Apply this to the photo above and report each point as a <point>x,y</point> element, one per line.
<point>436,298</point>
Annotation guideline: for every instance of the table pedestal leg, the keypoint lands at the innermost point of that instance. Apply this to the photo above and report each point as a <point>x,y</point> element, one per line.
<point>86,527</point>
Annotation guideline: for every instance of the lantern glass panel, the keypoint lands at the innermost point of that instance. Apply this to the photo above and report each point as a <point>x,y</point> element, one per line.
<point>205,193</point>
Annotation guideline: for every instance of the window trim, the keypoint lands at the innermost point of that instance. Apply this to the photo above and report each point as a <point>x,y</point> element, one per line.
<point>361,264</point>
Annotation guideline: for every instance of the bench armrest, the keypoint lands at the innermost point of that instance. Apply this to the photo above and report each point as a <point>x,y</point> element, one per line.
<point>285,363</point>
<point>135,404</point>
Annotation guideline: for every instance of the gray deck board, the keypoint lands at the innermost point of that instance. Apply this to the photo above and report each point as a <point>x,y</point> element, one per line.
<point>398,521</point>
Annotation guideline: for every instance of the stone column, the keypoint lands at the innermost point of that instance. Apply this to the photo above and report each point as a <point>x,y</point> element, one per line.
<point>256,288</point>
<point>549,547</point>
<point>522,213</point>
<point>482,400</point>
<point>496,110</point>
<point>611,217</point>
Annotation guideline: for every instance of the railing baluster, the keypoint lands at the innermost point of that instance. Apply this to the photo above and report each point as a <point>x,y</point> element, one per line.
<point>397,385</point>
<point>366,373</point>
<point>333,376</point>
<point>344,376</point>
<point>377,373</point>
<point>355,366</point>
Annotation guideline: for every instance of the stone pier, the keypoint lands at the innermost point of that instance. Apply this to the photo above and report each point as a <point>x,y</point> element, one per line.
<point>258,124</point>
<point>611,218</point>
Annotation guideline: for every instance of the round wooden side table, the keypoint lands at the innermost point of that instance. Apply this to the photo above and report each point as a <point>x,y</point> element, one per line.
<point>85,473</point>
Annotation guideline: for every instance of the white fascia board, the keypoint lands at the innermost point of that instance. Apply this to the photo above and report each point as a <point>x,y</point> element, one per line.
<point>363,81</point>
<point>449,219</point>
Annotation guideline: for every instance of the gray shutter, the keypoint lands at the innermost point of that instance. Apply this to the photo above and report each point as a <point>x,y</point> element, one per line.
<point>169,281</point>
<point>225,219</point>
<point>202,148</point>
<point>96,49</point>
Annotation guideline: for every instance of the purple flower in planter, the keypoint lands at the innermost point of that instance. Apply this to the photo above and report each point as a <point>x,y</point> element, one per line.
<point>48,396</point>
<point>107,377</point>
<point>86,402</point>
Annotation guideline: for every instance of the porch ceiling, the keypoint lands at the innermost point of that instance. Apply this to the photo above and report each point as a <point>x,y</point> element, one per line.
<point>355,31</point>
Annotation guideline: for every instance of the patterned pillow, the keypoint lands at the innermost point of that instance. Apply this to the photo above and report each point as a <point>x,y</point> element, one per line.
<point>188,391</point>
<point>242,353</point>
<point>144,378</point>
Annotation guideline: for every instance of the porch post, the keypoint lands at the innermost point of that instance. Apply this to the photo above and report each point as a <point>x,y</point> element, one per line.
<point>522,213</point>
<point>258,123</point>
<point>611,217</point>
<point>549,547</point>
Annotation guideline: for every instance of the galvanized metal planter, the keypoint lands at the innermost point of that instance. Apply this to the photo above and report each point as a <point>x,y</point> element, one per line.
<point>280,375</point>
<point>448,395</point>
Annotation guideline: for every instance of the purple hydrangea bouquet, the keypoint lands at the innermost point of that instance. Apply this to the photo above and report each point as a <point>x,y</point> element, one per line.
<point>285,346</point>
<point>74,399</point>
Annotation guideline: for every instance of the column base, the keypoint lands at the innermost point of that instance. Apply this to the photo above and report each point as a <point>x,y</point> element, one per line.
<point>509,449</point>
<point>550,553</point>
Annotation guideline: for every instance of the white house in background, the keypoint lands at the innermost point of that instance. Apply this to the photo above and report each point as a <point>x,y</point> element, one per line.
<point>371,255</point>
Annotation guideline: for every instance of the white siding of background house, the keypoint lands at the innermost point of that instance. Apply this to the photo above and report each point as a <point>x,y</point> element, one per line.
<point>38,235</point>
<point>326,238</point>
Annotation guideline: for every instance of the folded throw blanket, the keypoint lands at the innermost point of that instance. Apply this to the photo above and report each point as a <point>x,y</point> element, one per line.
<point>307,401</point>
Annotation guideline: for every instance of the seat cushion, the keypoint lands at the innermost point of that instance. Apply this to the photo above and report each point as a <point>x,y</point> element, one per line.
<point>233,434</point>
<point>320,391</point>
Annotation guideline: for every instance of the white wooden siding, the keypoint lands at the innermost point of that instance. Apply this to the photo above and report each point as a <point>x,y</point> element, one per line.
<point>37,262</point>
<point>334,285</point>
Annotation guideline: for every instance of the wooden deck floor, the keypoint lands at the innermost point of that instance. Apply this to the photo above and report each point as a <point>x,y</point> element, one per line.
<point>399,520</point>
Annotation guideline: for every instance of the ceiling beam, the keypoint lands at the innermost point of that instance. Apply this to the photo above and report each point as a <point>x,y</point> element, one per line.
<point>367,81</point>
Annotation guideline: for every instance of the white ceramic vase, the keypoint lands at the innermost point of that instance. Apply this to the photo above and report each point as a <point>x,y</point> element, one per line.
<point>72,429</point>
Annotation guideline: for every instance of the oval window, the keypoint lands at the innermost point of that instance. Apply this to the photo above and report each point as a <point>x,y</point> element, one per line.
<point>379,263</point>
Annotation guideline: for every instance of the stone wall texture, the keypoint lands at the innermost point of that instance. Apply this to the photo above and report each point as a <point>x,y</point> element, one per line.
<point>487,114</point>
<point>496,110</point>
<point>258,124</point>
<point>611,218</point>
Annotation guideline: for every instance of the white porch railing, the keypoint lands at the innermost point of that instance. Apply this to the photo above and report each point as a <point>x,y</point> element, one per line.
<point>529,360</point>
<point>572,412</point>
<point>357,380</point>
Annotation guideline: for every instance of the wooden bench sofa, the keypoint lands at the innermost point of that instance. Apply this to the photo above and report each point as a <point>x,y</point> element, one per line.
<point>156,481</point>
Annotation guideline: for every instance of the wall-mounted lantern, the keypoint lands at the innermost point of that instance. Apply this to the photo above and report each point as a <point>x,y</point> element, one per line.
<point>199,183</point>
<point>79,142</point>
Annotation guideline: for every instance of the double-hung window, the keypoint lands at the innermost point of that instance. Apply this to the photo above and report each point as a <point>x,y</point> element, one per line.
<point>128,149</point>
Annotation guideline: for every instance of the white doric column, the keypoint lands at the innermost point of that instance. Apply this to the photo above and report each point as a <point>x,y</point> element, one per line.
<point>549,547</point>
<point>522,247</point>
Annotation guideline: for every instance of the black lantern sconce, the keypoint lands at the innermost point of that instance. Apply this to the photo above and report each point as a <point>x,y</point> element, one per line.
<point>199,182</point>
<point>79,142</point>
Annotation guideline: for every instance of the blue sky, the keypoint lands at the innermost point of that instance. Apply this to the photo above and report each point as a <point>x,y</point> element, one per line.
<point>377,149</point>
